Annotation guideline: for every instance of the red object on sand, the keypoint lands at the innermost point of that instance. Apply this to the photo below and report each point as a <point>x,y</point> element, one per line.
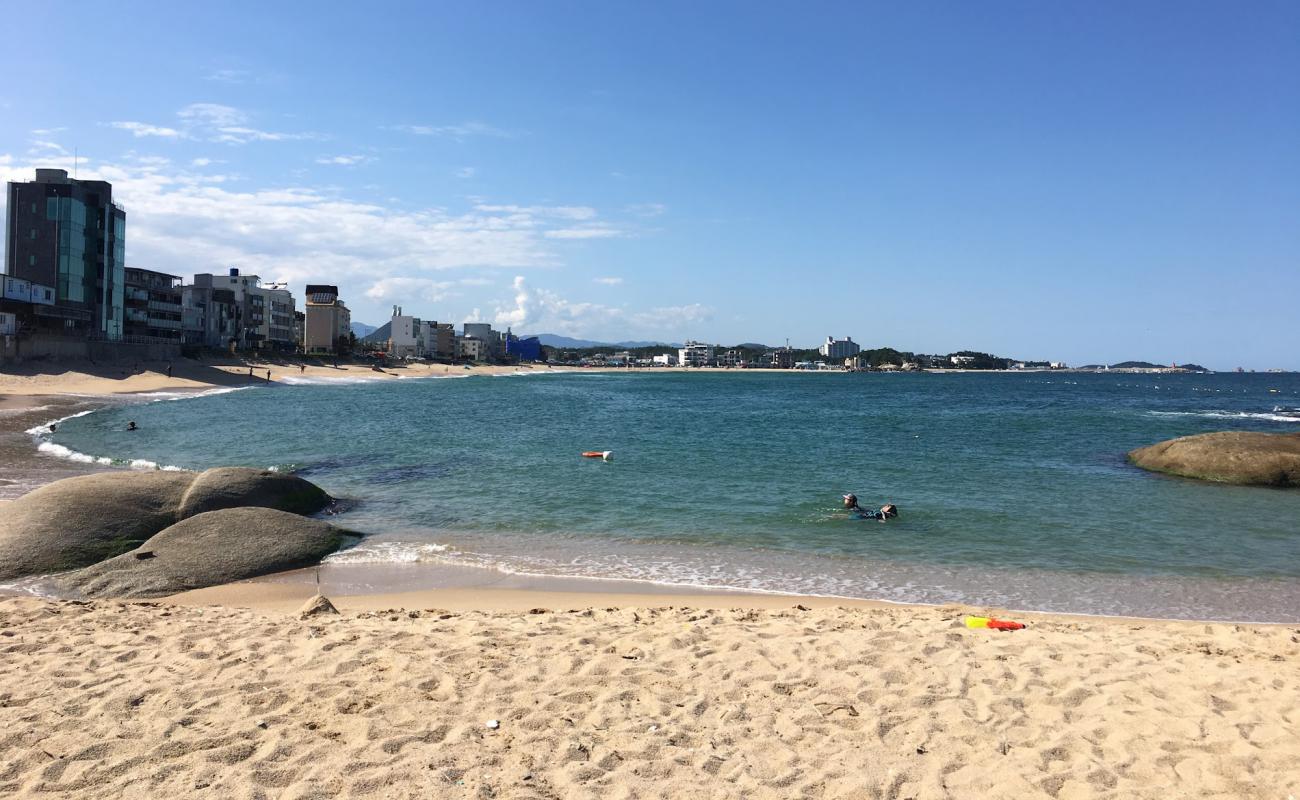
<point>1005,625</point>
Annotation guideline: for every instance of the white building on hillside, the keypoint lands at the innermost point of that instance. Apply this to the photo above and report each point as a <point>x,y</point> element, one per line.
<point>839,349</point>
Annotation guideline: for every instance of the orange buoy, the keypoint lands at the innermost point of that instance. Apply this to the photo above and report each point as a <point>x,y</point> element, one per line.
<point>602,454</point>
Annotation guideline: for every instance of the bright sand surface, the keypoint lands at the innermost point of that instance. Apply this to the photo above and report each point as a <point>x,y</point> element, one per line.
<point>594,696</point>
<point>619,692</point>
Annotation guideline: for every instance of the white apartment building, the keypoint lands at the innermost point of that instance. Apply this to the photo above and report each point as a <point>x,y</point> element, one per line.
<point>665,360</point>
<point>839,349</point>
<point>405,336</point>
<point>695,354</point>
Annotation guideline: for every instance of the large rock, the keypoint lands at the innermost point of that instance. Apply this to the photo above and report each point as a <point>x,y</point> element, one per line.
<point>79,521</point>
<point>209,549</point>
<point>1244,457</point>
<point>236,487</point>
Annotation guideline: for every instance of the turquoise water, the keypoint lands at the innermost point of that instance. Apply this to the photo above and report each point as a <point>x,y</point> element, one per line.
<point>1013,489</point>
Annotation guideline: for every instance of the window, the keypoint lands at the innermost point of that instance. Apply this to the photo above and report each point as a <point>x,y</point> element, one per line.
<point>33,233</point>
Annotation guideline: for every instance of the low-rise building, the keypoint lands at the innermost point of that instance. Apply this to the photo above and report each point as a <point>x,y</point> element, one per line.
<point>665,360</point>
<point>780,358</point>
<point>405,335</point>
<point>264,313</point>
<point>492,345</point>
<point>523,350</point>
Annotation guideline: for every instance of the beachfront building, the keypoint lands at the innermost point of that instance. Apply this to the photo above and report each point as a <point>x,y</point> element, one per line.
<point>405,335</point>
<point>264,314</point>
<point>528,349</point>
<point>733,358</point>
<point>68,234</point>
<point>21,305</point>
<point>471,348</point>
<point>439,340</point>
<point>665,360</point>
<point>961,361</point>
<point>780,358</point>
<point>152,306</point>
<point>492,345</point>
<point>839,349</point>
<point>209,317</point>
<point>328,321</point>
<point>695,354</point>
<point>280,310</point>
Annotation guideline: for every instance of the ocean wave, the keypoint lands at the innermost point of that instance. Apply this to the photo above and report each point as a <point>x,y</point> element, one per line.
<point>293,380</point>
<point>44,428</point>
<point>389,553</point>
<point>1263,415</point>
<point>67,453</point>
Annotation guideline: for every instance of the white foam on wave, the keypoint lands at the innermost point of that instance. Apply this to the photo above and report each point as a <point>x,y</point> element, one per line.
<point>388,553</point>
<point>298,380</point>
<point>1269,416</point>
<point>59,451</point>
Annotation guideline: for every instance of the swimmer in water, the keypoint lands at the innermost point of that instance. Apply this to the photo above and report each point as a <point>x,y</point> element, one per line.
<point>887,512</point>
<point>130,426</point>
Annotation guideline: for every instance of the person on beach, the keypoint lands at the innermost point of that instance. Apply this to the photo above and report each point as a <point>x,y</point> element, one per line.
<point>169,369</point>
<point>268,376</point>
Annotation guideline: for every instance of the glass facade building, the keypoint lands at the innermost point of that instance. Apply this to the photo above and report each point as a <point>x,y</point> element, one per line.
<point>69,234</point>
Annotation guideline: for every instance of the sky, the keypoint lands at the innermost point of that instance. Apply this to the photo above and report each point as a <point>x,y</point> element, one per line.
<point>1086,182</point>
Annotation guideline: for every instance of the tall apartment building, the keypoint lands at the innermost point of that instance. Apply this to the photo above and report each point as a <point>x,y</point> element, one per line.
<point>327,319</point>
<point>839,349</point>
<point>70,235</point>
<point>152,305</point>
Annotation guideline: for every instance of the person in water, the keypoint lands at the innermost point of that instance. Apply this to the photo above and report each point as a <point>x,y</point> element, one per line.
<point>130,426</point>
<point>887,512</point>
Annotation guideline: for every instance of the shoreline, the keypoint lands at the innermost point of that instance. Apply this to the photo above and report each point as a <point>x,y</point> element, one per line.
<point>488,587</point>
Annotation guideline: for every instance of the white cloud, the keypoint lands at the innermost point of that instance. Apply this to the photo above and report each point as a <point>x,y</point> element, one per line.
<point>465,172</point>
<point>229,76</point>
<point>201,162</point>
<point>345,161</point>
<point>403,289</point>
<point>560,212</point>
<point>594,231</point>
<point>140,129</point>
<point>462,131</point>
<point>40,147</point>
<point>608,281</point>
<point>212,115</point>
<point>186,221</point>
<point>47,131</point>
<point>544,311</point>
<point>647,209</point>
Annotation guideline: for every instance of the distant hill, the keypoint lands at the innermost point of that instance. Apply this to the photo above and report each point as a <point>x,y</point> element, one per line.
<point>555,340</point>
<point>361,330</point>
<point>377,335</point>
<point>1137,365</point>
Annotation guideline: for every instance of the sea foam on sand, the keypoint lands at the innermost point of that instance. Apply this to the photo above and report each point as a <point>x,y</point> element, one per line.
<point>110,700</point>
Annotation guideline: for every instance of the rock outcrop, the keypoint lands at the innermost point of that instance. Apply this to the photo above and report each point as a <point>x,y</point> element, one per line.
<point>79,521</point>
<point>208,549</point>
<point>1241,457</point>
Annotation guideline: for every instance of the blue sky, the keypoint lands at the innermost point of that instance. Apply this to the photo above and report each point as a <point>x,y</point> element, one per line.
<point>1077,181</point>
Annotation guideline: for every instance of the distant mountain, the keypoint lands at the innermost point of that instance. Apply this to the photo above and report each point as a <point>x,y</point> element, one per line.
<point>555,340</point>
<point>361,330</point>
<point>753,346</point>
<point>379,334</point>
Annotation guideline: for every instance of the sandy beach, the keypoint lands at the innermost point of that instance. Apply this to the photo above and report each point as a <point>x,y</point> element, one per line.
<point>587,689</point>
<point>576,698</point>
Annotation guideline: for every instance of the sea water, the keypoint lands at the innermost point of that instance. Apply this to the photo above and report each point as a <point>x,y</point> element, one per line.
<point>1013,488</point>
